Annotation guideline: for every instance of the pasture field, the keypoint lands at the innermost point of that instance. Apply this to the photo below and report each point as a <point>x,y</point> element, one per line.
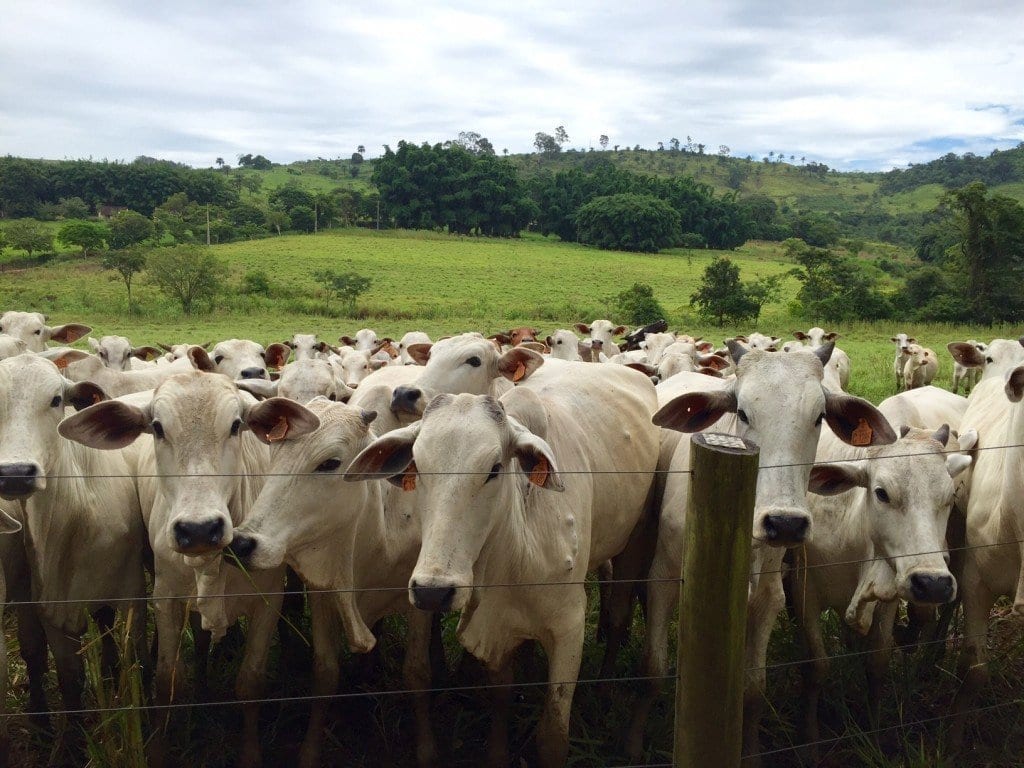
<point>443,285</point>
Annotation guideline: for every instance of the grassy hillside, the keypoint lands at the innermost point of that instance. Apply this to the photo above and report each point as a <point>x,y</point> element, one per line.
<point>444,284</point>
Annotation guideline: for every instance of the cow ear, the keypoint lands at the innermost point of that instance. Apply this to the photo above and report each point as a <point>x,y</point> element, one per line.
<point>833,479</point>
<point>63,356</point>
<point>695,411</point>
<point>200,359</point>
<point>582,328</point>
<point>277,355</point>
<point>388,456</point>
<point>342,392</point>
<point>619,330</point>
<point>517,364</point>
<point>83,394</point>
<point>347,341</point>
<point>279,419</point>
<point>501,338</point>
<point>145,353</point>
<point>93,344</point>
<point>831,336</point>
<point>537,460</point>
<point>66,334</point>
<point>108,425</point>
<point>420,353</point>
<point>644,368</point>
<point>164,347</point>
<point>713,361</point>
<point>1015,384</point>
<point>966,354</point>
<point>857,422</point>
<point>800,335</point>
<point>261,389</point>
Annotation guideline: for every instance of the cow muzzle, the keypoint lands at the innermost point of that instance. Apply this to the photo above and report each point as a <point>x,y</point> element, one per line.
<point>20,479</point>
<point>407,400</point>
<point>242,547</point>
<point>784,528</point>
<point>198,537</point>
<point>253,373</point>
<point>932,587</point>
<point>431,595</point>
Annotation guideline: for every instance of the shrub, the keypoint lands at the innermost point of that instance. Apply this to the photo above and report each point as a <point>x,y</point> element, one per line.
<point>628,222</point>
<point>187,274</point>
<point>638,305</point>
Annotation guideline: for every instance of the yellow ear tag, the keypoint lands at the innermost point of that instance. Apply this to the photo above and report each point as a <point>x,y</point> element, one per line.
<point>863,433</point>
<point>61,363</point>
<point>520,372</point>
<point>409,478</point>
<point>279,432</point>
<point>539,473</point>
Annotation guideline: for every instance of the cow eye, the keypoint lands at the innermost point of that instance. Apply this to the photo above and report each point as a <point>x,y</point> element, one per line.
<point>821,418</point>
<point>218,359</point>
<point>37,331</point>
<point>881,495</point>
<point>474,361</point>
<point>743,416</point>
<point>329,466</point>
<point>332,396</point>
<point>236,426</point>
<point>158,430</point>
<point>988,359</point>
<point>559,341</point>
<point>494,473</point>
<point>55,403</point>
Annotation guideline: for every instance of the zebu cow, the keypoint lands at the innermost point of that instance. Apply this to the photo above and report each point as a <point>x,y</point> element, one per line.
<point>306,346</point>
<point>360,540</point>
<point>15,587</point>
<point>32,329</point>
<point>564,345</point>
<point>197,480</point>
<point>779,403</point>
<point>117,352</point>
<point>10,346</point>
<point>365,338</point>
<point>407,340</point>
<point>899,363</point>
<point>301,381</point>
<point>994,562</point>
<point>79,366</point>
<point>920,368</point>
<point>837,372</point>
<point>967,375</point>
<point>354,366</point>
<point>879,533</point>
<point>602,333</point>
<point>1000,356</point>
<point>478,469</point>
<point>84,536</point>
<point>244,359</point>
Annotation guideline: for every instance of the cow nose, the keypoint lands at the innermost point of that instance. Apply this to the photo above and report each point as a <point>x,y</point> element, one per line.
<point>786,530</point>
<point>199,537</point>
<point>241,547</point>
<point>404,400</point>
<point>932,587</point>
<point>254,373</point>
<point>18,479</point>
<point>596,343</point>
<point>432,598</point>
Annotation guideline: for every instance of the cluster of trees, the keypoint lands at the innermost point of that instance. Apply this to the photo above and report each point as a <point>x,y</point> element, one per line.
<point>952,171</point>
<point>452,187</point>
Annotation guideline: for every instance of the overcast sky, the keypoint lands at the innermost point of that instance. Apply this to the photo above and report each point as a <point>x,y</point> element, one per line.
<point>856,85</point>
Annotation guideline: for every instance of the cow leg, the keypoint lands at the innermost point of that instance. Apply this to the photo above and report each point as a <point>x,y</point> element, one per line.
<point>170,624</point>
<point>294,650</point>
<point>501,678</point>
<point>815,668</point>
<point>416,670</point>
<point>70,664</point>
<point>32,647</point>
<point>105,624</point>
<point>604,583</point>
<point>762,611</point>
<point>201,656</point>
<point>880,644</point>
<point>628,567</point>
<point>326,652</point>
<point>252,675</point>
<point>564,655</point>
<point>973,665</point>
<point>662,598</point>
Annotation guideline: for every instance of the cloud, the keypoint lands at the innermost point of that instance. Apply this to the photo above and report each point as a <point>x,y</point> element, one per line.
<point>864,87</point>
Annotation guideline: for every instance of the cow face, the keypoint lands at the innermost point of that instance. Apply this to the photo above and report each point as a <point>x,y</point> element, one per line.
<point>243,359</point>
<point>32,329</point>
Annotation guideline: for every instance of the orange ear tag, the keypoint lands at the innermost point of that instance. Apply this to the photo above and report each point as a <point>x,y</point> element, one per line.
<point>520,373</point>
<point>409,478</point>
<point>61,363</point>
<point>96,398</point>
<point>279,432</point>
<point>862,434</point>
<point>539,473</point>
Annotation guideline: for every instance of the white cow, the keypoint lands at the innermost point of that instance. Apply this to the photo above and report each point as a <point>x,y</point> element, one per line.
<point>84,536</point>
<point>197,479</point>
<point>243,359</point>
<point>301,381</point>
<point>10,346</point>
<point>306,346</point>
<point>407,340</point>
<point>174,352</point>
<point>967,375</point>
<point>365,338</point>
<point>602,333</point>
<point>655,344</point>
<point>356,365</point>
<point>362,541</point>
<point>779,403</point>
<point>15,586</point>
<point>565,345</point>
<point>999,358</point>
<point>879,534</point>
<point>899,363</point>
<point>79,366</point>
<point>837,372</point>
<point>924,408</point>
<point>481,468</point>
<point>920,368</point>
<point>32,329</point>
<point>994,562</point>
<point>117,352</point>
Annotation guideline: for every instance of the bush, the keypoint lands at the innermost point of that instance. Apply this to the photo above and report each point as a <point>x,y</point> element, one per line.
<point>638,305</point>
<point>628,222</point>
<point>256,283</point>
<point>692,240</point>
<point>188,274</point>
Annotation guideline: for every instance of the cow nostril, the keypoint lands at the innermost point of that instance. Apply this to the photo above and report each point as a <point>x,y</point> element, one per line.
<point>785,530</point>
<point>242,546</point>
<point>932,588</point>
<point>254,373</point>
<point>432,598</point>
<point>201,535</point>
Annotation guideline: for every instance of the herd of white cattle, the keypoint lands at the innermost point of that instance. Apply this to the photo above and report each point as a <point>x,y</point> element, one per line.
<point>487,476</point>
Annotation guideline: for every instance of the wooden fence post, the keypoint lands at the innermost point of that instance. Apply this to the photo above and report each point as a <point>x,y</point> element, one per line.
<point>713,602</point>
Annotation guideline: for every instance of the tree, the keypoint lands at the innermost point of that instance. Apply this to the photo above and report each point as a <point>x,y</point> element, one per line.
<point>188,274</point>
<point>638,305</point>
<point>73,208</point>
<point>546,144</point>
<point>277,220</point>
<point>126,263</point>
<point>129,228</point>
<point>303,218</point>
<point>561,137</point>
<point>835,288</point>
<point>220,162</point>
<point>28,236</point>
<point>87,235</point>
<point>361,149</point>
<point>346,286</point>
<point>357,159</point>
<point>603,141</point>
<point>257,163</point>
<point>628,222</point>
<point>722,296</point>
